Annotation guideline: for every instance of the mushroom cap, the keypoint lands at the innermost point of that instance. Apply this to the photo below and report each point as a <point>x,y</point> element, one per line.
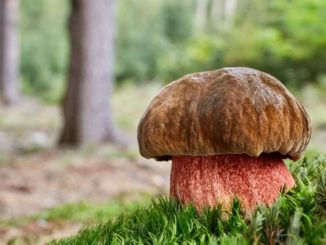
<point>227,111</point>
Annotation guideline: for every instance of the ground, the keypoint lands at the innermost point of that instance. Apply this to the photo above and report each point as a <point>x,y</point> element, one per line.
<point>42,181</point>
<point>36,176</point>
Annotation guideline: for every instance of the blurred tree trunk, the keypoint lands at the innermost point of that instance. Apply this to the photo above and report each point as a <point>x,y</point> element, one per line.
<point>230,11</point>
<point>9,51</point>
<point>223,12</point>
<point>217,11</point>
<point>200,14</point>
<point>87,107</point>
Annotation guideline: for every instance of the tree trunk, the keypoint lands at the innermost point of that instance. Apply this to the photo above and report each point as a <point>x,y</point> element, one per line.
<point>230,11</point>
<point>201,14</point>
<point>87,108</point>
<point>217,11</point>
<point>223,12</point>
<point>9,51</point>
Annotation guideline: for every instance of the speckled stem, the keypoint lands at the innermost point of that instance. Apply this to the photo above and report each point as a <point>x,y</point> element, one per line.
<point>209,180</point>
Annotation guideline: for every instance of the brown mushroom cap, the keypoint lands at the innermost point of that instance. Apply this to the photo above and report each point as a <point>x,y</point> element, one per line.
<point>227,111</point>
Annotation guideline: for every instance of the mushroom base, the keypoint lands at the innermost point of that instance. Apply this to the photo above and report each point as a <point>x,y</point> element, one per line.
<point>206,181</point>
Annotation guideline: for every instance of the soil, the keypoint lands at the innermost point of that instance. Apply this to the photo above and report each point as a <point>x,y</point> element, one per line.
<point>39,181</point>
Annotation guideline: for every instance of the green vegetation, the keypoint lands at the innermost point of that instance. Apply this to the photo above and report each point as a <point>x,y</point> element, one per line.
<point>161,42</point>
<point>86,212</point>
<point>80,212</point>
<point>283,38</point>
<point>298,217</point>
<point>44,48</point>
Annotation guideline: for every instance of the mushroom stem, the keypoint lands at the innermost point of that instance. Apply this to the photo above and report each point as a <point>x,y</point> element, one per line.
<point>207,181</point>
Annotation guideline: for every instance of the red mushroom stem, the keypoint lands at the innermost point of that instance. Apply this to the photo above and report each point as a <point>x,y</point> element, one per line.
<point>206,181</point>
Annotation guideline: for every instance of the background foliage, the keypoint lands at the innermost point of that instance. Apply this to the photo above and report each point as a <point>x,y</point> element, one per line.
<point>161,42</point>
<point>44,47</point>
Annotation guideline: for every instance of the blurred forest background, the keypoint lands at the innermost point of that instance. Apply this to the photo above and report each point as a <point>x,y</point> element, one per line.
<point>163,40</point>
<point>65,57</point>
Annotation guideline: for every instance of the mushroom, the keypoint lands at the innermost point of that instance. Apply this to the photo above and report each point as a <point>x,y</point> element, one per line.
<point>227,132</point>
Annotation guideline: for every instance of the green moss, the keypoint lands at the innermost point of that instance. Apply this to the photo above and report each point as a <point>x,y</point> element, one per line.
<point>298,217</point>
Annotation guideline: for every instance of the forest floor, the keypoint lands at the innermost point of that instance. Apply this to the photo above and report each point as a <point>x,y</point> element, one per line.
<point>43,181</point>
<point>35,175</point>
<point>37,179</point>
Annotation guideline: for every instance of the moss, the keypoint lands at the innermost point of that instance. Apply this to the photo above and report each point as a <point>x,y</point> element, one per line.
<point>298,217</point>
